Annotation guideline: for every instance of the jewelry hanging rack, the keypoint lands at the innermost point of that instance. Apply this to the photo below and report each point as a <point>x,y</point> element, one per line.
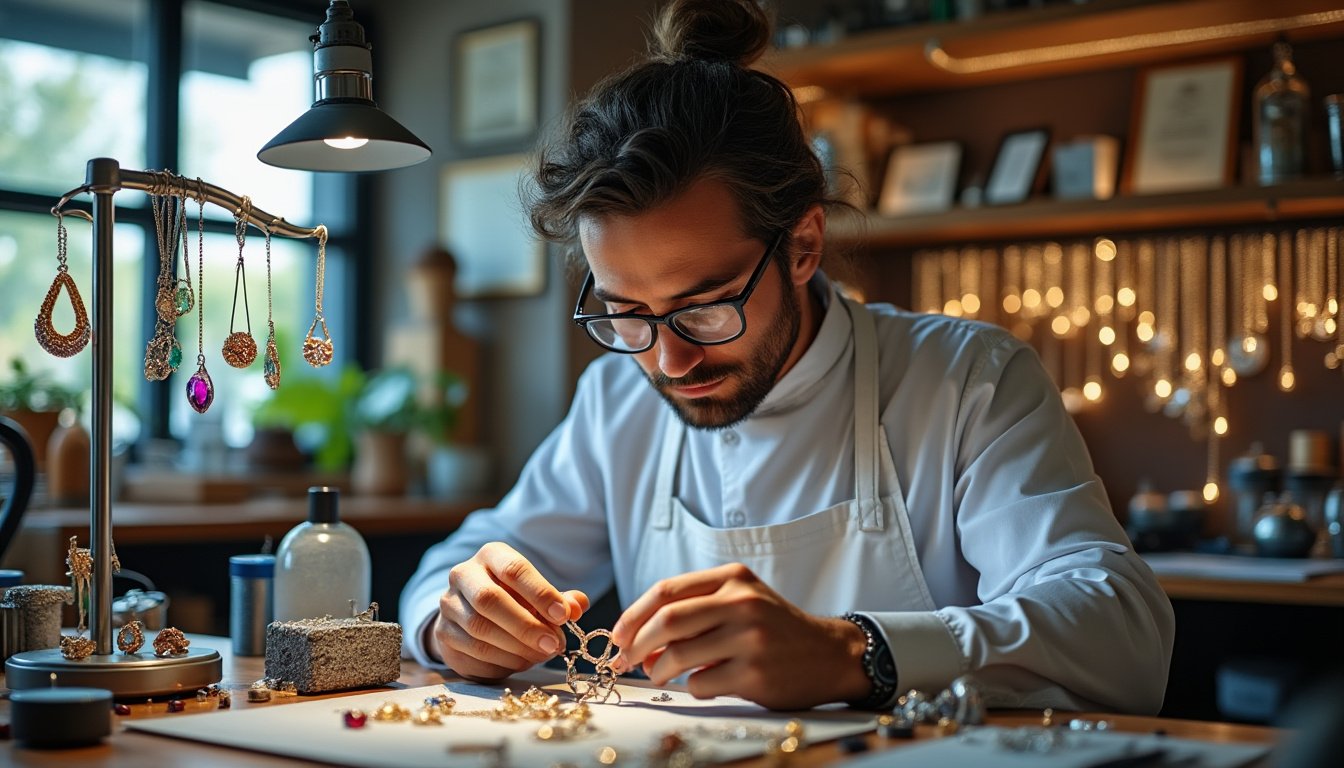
<point>122,674</point>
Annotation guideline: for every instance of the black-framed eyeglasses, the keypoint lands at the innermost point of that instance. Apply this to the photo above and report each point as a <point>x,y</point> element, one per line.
<point>717,322</point>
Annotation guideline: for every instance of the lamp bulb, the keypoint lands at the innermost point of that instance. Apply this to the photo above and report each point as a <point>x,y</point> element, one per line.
<point>349,142</point>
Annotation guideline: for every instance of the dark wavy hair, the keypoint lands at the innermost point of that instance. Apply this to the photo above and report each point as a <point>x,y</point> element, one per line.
<point>692,110</point>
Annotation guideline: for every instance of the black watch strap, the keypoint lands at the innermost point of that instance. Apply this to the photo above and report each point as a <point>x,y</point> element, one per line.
<point>878,665</point>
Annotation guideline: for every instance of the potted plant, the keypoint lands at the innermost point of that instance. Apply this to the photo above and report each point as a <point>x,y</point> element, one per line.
<point>35,401</point>
<point>386,410</point>
<point>312,412</point>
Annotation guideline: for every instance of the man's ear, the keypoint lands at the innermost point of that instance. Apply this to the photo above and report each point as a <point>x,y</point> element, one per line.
<point>808,236</point>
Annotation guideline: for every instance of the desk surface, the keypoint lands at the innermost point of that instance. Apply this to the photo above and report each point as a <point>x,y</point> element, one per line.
<point>131,749</point>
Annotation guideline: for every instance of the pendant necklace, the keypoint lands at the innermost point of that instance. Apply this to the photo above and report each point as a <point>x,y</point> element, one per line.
<point>240,349</point>
<point>271,367</point>
<point>200,389</point>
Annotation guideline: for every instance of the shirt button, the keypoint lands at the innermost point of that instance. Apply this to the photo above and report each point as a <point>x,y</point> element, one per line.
<point>729,437</point>
<point>736,518</point>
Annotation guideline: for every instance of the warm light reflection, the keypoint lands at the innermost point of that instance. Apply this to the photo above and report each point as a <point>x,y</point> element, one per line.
<point>1031,298</point>
<point>1249,344</point>
<point>1217,356</point>
<point>1146,317</point>
<point>1144,331</point>
<point>1104,303</point>
<point>349,142</point>
<point>1162,388</point>
<point>1106,335</point>
<point>1012,304</point>
<point>952,308</point>
<point>970,303</point>
<point>1060,325</point>
<point>1105,249</point>
<point>1211,491</point>
<point>1287,379</point>
<point>1125,296</point>
<point>1193,361</point>
<point>1229,377</point>
<point>1054,296</point>
<point>1092,390</point>
<point>1270,292</point>
<point>1220,425</point>
<point>1080,316</point>
<point>1120,362</point>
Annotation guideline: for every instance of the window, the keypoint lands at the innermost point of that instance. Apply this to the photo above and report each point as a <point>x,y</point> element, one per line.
<point>78,80</point>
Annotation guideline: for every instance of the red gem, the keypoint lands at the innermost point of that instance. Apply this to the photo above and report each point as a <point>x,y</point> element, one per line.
<point>176,705</point>
<point>121,709</point>
<point>355,718</point>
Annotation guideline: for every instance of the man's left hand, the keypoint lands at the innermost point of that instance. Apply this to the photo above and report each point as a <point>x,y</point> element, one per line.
<point>738,637</point>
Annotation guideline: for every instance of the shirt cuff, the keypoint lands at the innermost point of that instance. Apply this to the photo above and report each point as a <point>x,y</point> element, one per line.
<point>925,651</point>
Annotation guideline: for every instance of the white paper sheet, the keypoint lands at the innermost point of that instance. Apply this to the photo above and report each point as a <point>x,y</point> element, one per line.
<point>314,730</point>
<point>1239,567</point>
<point>979,748</point>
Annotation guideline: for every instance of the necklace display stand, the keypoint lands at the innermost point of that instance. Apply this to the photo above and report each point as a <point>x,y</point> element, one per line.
<point>126,675</point>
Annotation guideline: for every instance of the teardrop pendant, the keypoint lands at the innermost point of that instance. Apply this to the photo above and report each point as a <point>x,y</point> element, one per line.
<point>200,390</point>
<point>271,367</point>
<point>54,342</point>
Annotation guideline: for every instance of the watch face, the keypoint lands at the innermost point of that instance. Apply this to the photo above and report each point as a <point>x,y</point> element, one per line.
<point>884,667</point>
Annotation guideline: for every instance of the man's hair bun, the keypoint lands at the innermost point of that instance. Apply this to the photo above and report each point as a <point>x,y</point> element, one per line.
<point>736,31</point>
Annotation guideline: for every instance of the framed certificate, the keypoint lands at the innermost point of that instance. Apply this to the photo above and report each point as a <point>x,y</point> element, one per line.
<point>921,178</point>
<point>1183,133</point>
<point>496,73</point>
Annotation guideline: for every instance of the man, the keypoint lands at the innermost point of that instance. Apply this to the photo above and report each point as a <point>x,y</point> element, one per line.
<point>798,499</point>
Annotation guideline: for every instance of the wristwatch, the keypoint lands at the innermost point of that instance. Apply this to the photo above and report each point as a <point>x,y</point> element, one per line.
<point>878,665</point>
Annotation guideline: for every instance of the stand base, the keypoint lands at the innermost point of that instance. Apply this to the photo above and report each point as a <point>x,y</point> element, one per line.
<point>125,676</point>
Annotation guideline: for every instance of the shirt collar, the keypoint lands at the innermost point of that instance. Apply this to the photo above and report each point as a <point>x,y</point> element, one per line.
<point>828,348</point>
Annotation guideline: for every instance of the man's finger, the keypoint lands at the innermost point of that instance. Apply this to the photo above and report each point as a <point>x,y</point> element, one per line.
<point>670,590</point>
<point>674,622</point>
<point>511,568</point>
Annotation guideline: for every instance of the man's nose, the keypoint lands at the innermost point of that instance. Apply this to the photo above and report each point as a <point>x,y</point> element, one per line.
<point>676,356</point>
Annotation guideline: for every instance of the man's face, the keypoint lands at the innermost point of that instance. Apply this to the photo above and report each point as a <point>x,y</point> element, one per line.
<point>692,250</point>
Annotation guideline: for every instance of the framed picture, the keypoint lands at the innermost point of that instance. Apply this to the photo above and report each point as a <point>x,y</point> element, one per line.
<point>921,178</point>
<point>1183,130</point>
<point>1018,169</point>
<point>483,225</point>
<point>497,70</point>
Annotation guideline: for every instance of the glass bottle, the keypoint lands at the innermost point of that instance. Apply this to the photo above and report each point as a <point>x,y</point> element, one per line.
<point>1280,119</point>
<point>322,564</point>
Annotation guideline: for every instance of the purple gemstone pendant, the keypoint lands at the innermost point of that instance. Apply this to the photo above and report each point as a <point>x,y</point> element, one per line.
<point>200,390</point>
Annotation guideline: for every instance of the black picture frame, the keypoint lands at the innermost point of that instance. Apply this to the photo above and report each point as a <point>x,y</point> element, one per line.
<point>496,76</point>
<point>1019,166</point>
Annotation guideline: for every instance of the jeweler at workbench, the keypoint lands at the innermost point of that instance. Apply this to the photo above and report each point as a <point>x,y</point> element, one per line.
<point>798,499</point>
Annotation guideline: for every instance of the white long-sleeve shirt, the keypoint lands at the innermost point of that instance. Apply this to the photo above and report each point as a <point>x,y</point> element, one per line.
<point>1039,594</point>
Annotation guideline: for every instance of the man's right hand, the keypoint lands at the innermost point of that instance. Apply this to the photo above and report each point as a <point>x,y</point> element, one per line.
<point>500,615</point>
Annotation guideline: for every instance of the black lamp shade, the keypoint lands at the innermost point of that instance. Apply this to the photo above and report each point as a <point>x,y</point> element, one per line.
<point>302,145</point>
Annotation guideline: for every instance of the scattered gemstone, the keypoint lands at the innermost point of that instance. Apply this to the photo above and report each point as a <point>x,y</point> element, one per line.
<point>176,705</point>
<point>184,300</point>
<point>355,718</point>
<point>225,700</point>
<point>121,709</point>
<point>258,694</point>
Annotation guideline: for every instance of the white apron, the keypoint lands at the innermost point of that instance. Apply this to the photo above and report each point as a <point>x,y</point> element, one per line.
<point>858,555</point>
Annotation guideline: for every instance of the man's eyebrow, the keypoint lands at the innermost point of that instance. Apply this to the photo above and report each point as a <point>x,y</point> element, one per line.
<point>704,286</point>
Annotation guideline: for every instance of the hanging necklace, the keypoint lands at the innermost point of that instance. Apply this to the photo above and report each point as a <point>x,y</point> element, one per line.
<point>271,368</point>
<point>163,354</point>
<point>200,389</point>
<point>240,349</point>
<point>1248,351</point>
<point>1287,379</point>
<point>319,352</point>
<point>185,296</point>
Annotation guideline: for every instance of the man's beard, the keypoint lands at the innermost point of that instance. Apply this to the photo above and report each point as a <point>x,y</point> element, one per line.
<point>754,378</point>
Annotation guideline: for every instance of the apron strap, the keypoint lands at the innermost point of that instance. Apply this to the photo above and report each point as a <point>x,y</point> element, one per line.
<point>867,426</point>
<point>668,457</point>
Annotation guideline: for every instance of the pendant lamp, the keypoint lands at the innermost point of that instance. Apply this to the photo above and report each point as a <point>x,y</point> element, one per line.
<point>344,130</point>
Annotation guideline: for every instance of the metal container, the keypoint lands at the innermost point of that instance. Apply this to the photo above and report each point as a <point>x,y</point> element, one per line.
<point>149,608</point>
<point>1334,520</point>
<point>1282,530</point>
<point>251,602</point>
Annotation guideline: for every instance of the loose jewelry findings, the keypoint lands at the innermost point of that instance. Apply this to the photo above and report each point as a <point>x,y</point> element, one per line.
<point>240,349</point>
<point>79,565</point>
<point>200,388</point>
<point>54,342</point>
<point>319,352</point>
<point>130,637</point>
<point>270,370</point>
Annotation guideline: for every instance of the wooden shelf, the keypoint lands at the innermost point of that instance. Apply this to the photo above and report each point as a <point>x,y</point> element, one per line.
<point>891,62</point>
<point>1314,198</point>
<point>1321,591</point>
